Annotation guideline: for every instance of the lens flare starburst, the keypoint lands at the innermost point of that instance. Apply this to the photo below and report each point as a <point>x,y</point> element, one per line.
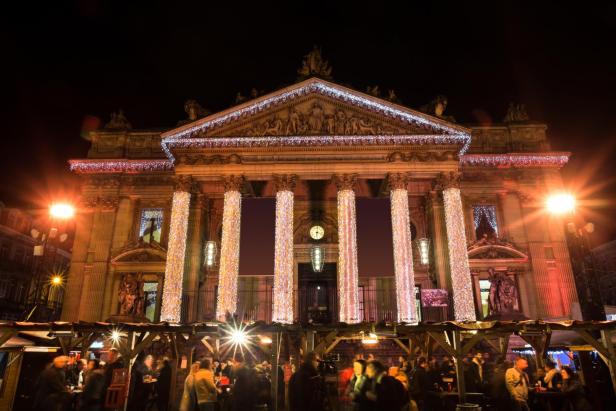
<point>237,337</point>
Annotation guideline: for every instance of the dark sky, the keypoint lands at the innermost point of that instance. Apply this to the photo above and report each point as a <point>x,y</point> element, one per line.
<point>65,64</point>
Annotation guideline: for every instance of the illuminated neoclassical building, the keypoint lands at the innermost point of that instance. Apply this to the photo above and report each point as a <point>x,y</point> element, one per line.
<point>158,229</point>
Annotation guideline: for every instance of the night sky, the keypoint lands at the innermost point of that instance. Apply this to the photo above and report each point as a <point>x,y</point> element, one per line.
<point>67,65</point>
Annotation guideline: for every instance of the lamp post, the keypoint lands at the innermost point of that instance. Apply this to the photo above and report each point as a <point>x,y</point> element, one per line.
<point>563,205</point>
<point>58,213</point>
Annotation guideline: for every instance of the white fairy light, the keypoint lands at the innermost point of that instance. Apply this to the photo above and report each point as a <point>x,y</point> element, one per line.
<point>516,160</point>
<point>403,256</point>
<point>174,270</point>
<point>347,258</point>
<point>283,259</point>
<point>94,166</point>
<point>463,299</point>
<point>229,254</point>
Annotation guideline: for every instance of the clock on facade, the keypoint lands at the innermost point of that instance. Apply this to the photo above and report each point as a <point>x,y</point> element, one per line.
<point>316,232</point>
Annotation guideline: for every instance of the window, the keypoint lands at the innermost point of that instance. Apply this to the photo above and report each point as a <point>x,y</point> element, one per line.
<point>418,301</point>
<point>484,219</point>
<point>151,224</point>
<point>484,292</point>
<point>150,290</point>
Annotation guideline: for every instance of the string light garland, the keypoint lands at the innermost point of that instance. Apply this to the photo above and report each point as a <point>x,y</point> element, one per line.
<point>174,270</point>
<point>324,88</point>
<point>463,299</point>
<point>283,259</point>
<point>95,166</point>
<point>229,254</point>
<point>347,258</point>
<point>403,256</point>
<point>516,160</point>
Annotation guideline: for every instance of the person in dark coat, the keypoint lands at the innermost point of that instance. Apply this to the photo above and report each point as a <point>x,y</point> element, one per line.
<point>305,386</point>
<point>497,388</point>
<point>114,362</point>
<point>92,397</point>
<point>473,375</point>
<point>573,391</point>
<point>385,392</point>
<point>163,386</point>
<point>140,387</point>
<point>244,394</point>
<point>51,393</point>
<point>419,383</point>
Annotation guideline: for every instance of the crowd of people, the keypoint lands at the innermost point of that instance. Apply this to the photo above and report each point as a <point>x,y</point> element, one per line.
<point>368,384</point>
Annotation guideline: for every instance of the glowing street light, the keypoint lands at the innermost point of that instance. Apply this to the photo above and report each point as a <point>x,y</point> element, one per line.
<point>560,204</point>
<point>56,280</point>
<point>61,211</point>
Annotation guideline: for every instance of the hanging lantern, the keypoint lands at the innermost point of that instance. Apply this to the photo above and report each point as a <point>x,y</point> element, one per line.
<point>211,251</point>
<point>317,257</point>
<point>424,250</point>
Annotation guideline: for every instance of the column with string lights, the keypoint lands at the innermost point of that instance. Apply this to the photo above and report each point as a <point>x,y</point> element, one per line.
<point>403,249</point>
<point>229,248</point>
<point>348,291</point>
<point>283,254</point>
<point>171,309</point>
<point>461,282</point>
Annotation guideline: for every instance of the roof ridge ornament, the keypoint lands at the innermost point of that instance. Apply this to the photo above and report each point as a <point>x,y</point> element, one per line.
<point>314,65</point>
<point>118,121</point>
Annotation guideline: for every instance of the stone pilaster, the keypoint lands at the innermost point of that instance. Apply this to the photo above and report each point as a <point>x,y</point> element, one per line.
<point>195,255</point>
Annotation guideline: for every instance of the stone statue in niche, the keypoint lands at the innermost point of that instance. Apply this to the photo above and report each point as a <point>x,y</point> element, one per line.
<point>131,299</point>
<point>503,300</point>
<point>131,295</point>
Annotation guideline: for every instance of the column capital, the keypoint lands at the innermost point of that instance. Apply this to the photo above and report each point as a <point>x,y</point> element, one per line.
<point>284,182</point>
<point>397,181</point>
<point>183,183</point>
<point>450,179</point>
<point>345,181</point>
<point>233,182</point>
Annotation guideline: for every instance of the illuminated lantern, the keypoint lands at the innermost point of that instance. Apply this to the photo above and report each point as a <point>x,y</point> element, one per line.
<point>424,250</point>
<point>317,257</point>
<point>211,251</point>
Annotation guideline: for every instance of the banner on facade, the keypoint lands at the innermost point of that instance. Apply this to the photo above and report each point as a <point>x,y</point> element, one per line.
<point>434,297</point>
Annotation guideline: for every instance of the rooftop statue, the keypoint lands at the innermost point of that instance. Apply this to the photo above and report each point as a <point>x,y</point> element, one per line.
<point>118,122</point>
<point>516,113</point>
<point>373,91</point>
<point>194,111</point>
<point>314,65</point>
<point>437,108</point>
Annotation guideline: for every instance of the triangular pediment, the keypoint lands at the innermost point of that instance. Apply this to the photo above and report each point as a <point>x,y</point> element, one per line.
<point>315,107</point>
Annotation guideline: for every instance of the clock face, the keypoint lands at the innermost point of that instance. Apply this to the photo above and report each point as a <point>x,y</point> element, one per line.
<point>317,232</point>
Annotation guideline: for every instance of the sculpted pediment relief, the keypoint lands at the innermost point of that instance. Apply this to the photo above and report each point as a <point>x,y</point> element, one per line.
<point>494,249</point>
<point>317,116</point>
<point>140,252</point>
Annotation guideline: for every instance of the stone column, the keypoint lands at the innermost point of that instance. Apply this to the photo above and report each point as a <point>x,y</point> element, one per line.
<point>403,248</point>
<point>348,296</point>
<point>229,248</point>
<point>194,256</point>
<point>440,263</point>
<point>461,281</point>
<point>283,254</point>
<point>171,309</point>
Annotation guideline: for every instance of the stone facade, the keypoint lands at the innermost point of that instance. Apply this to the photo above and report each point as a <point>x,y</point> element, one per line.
<point>315,130</point>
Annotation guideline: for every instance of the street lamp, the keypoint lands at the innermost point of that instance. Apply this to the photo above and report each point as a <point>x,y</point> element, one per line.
<point>563,205</point>
<point>61,211</point>
<point>58,212</point>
